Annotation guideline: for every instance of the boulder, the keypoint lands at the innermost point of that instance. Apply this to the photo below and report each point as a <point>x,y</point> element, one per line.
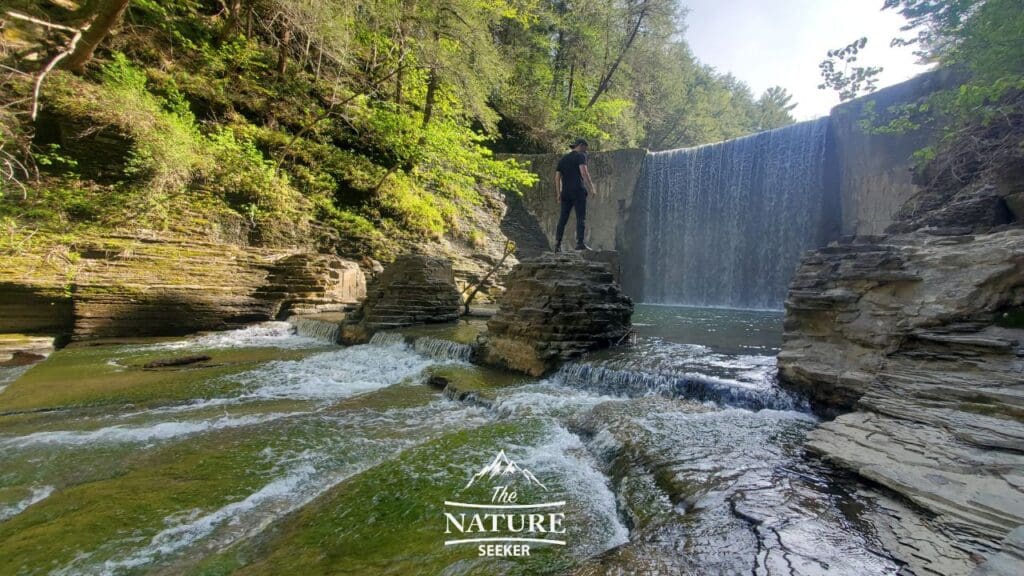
<point>853,307</point>
<point>556,307</point>
<point>414,289</point>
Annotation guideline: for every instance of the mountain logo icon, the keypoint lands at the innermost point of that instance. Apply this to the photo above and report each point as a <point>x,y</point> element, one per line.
<point>504,467</point>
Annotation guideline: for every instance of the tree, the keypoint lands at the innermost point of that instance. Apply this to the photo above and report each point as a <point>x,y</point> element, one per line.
<point>106,16</point>
<point>774,108</point>
<point>985,37</point>
<point>848,80</point>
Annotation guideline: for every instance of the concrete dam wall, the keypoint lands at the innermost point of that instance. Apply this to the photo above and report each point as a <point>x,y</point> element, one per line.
<point>725,224</point>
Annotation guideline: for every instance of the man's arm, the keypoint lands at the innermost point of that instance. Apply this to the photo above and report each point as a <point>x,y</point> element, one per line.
<point>558,186</point>
<point>586,178</point>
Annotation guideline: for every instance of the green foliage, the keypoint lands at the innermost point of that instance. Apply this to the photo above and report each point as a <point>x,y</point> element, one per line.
<point>239,172</point>
<point>166,140</point>
<point>774,108</point>
<point>839,74</point>
<point>50,156</point>
<point>983,37</point>
<point>373,123</point>
<point>655,93</point>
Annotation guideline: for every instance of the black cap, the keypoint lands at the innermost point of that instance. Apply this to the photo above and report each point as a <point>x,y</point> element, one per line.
<point>578,142</point>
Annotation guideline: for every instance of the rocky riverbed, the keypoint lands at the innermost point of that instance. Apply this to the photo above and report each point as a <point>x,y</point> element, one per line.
<point>284,453</point>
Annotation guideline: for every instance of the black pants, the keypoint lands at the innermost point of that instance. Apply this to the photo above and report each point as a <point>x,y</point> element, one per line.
<point>569,202</point>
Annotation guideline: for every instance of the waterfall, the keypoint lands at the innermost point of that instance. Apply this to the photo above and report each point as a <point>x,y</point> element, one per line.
<point>439,349</point>
<point>690,386</point>
<point>726,223</point>
<point>317,329</point>
<point>387,339</point>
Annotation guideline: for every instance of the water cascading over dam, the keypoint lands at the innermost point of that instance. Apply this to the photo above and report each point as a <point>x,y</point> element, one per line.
<point>726,223</point>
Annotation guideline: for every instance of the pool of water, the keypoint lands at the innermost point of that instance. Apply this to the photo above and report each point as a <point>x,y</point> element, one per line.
<point>676,455</point>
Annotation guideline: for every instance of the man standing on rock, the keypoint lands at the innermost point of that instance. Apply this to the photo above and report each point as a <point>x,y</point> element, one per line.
<point>571,193</point>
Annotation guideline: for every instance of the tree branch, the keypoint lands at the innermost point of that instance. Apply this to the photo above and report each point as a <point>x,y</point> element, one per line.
<point>72,44</point>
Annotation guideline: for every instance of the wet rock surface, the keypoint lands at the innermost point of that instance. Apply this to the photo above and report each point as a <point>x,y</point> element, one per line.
<point>909,332</point>
<point>555,308</point>
<point>767,512</point>
<point>177,361</point>
<point>293,448</point>
<point>20,350</point>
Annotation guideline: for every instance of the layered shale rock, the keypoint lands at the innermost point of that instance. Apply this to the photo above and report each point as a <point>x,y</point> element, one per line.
<point>921,335</point>
<point>855,307</point>
<point>556,307</point>
<point>35,306</point>
<point>125,286</point>
<point>315,283</point>
<point>414,289</point>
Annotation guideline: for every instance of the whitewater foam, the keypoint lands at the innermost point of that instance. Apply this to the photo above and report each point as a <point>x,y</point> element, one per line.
<point>443,349</point>
<point>173,539</point>
<point>548,398</point>
<point>568,465</point>
<point>136,434</point>
<point>307,474</point>
<point>39,493</point>
<point>691,385</point>
<point>262,335</point>
<point>334,375</point>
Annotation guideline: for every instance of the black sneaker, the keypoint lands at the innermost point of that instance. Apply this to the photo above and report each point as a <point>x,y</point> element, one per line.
<point>558,248</point>
<point>584,247</point>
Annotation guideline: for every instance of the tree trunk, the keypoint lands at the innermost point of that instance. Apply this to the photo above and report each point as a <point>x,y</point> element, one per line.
<point>84,13</point>
<point>282,56</point>
<point>401,59</point>
<point>556,76</point>
<point>510,248</point>
<point>398,85</point>
<point>108,14</point>
<point>607,79</point>
<point>572,78</point>
<point>428,104</point>
<point>234,23</point>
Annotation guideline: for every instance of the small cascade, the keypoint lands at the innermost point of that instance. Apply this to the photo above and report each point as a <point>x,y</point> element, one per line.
<point>471,398</point>
<point>690,386</point>
<point>439,349</point>
<point>317,329</point>
<point>726,223</point>
<point>387,339</point>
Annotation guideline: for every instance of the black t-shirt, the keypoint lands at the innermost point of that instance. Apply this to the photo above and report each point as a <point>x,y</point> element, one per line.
<point>569,167</point>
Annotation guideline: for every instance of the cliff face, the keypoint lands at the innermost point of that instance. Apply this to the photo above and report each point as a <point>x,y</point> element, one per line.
<point>921,334</point>
<point>122,286</point>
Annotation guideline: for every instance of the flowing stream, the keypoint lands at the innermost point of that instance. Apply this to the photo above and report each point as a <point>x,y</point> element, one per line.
<point>284,454</point>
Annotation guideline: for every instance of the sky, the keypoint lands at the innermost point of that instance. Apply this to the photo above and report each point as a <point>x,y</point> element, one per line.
<point>781,42</point>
